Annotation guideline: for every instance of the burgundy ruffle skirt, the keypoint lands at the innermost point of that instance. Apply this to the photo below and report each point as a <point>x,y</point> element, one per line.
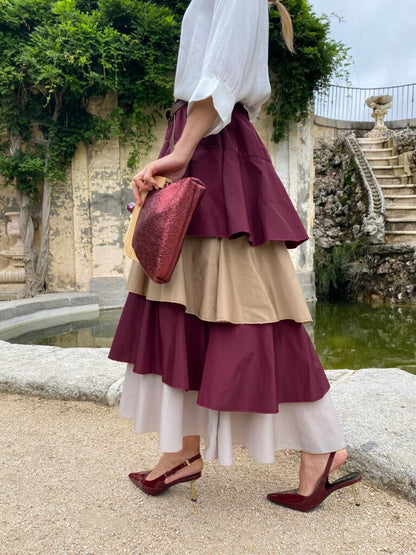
<point>234,367</point>
<point>260,384</point>
<point>243,192</point>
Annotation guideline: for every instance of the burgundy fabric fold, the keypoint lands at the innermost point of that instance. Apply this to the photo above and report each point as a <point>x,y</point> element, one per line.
<point>234,367</point>
<point>243,195</point>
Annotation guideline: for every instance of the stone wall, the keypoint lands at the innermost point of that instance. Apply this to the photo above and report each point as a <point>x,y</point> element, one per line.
<point>404,143</point>
<point>340,201</point>
<point>377,273</point>
<point>89,219</point>
<point>388,275</point>
<point>331,129</point>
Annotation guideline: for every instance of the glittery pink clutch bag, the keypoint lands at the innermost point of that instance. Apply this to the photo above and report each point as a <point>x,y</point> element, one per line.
<point>162,225</point>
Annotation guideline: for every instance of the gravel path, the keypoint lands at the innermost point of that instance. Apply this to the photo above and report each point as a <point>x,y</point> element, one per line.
<point>64,491</point>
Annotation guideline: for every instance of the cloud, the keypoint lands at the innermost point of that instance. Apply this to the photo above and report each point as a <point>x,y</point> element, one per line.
<point>381,36</point>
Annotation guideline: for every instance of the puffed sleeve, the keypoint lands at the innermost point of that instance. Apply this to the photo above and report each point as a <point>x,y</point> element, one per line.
<point>236,48</point>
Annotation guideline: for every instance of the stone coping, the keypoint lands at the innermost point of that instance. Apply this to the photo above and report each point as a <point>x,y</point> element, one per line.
<point>377,407</point>
<point>348,125</point>
<point>52,309</point>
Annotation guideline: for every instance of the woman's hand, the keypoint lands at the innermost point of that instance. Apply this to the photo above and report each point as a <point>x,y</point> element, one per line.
<point>172,166</point>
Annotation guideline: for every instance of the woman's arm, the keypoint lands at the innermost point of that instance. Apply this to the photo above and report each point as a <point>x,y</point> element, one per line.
<point>174,165</point>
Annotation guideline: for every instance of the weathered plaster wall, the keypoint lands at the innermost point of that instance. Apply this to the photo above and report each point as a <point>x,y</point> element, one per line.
<point>293,160</point>
<point>89,218</point>
<point>61,265</point>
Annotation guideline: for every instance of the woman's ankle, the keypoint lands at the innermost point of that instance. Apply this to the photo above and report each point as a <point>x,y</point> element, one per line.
<point>190,450</point>
<point>312,467</point>
<point>191,446</point>
<point>318,459</point>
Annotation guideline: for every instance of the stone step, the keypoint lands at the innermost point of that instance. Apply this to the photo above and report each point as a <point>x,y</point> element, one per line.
<point>384,171</point>
<point>401,224</point>
<point>408,189</point>
<point>400,211</point>
<point>403,200</point>
<point>387,180</point>
<point>387,161</point>
<point>393,237</point>
<point>370,143</point>
<point>380,152</point>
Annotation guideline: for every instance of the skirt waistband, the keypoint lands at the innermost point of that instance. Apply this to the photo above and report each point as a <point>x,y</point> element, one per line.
<point>178,104</point>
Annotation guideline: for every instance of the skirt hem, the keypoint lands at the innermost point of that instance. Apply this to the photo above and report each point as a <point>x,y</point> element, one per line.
<point>173,414</point>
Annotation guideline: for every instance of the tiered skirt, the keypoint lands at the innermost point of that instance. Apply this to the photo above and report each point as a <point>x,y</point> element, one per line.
<point>221,351</point>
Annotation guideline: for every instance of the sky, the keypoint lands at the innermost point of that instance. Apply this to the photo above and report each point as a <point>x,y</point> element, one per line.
<point>382,37</point>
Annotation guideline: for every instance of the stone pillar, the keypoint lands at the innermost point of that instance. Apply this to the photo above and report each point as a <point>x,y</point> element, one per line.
<point>61,263</point>
<point>293,160</point>
<point>106,212</point>
<point>82,219</point>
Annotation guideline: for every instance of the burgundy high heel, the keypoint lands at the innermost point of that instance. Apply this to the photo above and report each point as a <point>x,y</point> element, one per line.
<point>157,486</point>
<point>306,503</point>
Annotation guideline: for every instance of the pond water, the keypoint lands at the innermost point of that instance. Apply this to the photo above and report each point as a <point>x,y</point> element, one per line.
<point>361,336</point>
<point>345,335</point>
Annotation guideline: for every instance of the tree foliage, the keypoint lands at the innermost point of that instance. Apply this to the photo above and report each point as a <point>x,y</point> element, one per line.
<point>55,55</point>
<point>295,77</point>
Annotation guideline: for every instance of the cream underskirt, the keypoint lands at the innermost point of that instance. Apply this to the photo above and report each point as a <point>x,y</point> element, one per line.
<point>173,413</point>
<point>227,280</point>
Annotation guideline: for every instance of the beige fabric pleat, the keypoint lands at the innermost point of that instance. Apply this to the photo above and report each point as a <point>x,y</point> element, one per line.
<point>227,280</point>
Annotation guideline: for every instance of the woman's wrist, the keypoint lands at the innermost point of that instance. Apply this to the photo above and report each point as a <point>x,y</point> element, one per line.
<point>184,151</point>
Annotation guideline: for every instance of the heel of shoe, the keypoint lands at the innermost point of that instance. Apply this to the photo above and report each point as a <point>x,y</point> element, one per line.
<point>193,491</point>
<point>356,494</point>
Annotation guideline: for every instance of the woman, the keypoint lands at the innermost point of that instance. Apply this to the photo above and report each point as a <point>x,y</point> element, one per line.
<point>221,351</point>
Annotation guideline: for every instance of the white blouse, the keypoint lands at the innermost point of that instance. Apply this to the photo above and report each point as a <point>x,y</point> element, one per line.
<point>223,53</point>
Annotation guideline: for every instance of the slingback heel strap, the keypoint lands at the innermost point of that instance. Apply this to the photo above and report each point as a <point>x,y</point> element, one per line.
<point>328,466</point>
<point>182,465</point>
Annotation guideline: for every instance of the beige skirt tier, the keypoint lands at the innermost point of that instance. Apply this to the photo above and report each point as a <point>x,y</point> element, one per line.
<point>227,280</point>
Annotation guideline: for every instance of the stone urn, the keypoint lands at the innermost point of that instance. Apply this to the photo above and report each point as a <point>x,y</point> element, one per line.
<point>380,106</point>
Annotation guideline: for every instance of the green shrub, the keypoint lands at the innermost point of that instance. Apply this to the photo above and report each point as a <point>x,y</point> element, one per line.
<point>337,270</point>
<point>295,77</point>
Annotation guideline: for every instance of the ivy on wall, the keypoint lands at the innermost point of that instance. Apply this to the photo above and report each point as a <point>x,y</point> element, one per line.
<point>54,56</point>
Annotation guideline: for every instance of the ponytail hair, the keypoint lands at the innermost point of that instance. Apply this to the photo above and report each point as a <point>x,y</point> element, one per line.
<point>287,26</point>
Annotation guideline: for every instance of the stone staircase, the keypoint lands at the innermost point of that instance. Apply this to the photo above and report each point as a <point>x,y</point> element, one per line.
<point>398,187</point>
